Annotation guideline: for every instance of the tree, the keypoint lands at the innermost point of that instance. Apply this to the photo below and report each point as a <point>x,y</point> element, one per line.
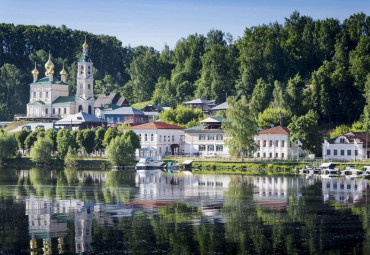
<point>8,146</point>
<point>64,141</point>
<point>110,134</point>
<point>271,116</point>
<point>20,137</point>
<point>99,138</point>
<point>132,138</point>
<point>41,150</point>
<point>261,97</point>
<point>305,129</point>
<point>33,136</point>
<point>71,158</point>
<point>294,95</point>
<point>120,151</point>
<point>241,126</point>
<point>182,116</point>
<point>340,130</point>
<point>85,139</point>
<point>52,134</point>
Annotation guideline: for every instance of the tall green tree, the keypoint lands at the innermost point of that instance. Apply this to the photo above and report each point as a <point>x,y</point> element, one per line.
<point>274,116</point>
<point>120,151</point>
<point>182,116</point>
<point>85,139</point>
<point>20,137</point>
<point>8,146</point>
<point>99,138</point>
<point>64,141</point>
<point>41,150</point>
<point>240,125</point>
<point>261,97</point>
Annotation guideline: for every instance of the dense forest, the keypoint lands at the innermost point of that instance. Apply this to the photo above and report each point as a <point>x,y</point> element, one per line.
<point>301,65</point>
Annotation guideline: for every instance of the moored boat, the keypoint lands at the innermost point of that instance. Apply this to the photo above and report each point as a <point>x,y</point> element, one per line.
<point>148,162</point>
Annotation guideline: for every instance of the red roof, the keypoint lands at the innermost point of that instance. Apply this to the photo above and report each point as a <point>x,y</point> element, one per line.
<point>279,130</point>
<point>155,125</point>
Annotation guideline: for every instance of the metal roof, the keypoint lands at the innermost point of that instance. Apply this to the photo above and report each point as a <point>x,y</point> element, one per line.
<point>125,111</point>
<point>79,118</point>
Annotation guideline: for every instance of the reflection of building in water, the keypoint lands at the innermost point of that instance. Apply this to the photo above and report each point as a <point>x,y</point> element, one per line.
<point>274,191</point>
<point>343,190</point>
<point>44,223</point>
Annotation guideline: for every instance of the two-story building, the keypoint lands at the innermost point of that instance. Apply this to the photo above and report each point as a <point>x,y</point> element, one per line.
<point>206,140</point>
<point>350,146</point>
<point>158,139</point>
<point>201,103</point>
<point>127,115</point>
<point>274,143</point>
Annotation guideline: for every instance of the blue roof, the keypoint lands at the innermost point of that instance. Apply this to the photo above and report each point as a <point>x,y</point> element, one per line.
<point>222,106</point>
<point>125,111</point>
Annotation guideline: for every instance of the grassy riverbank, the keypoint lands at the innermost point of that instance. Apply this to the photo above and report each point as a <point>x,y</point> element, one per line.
<point>84,163</point>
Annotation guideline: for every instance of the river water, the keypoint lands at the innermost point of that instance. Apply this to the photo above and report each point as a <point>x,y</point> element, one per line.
<point>151,212</point>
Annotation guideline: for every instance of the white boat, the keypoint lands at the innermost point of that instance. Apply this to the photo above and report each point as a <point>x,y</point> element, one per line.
<point>330,173</point>
<point>148,162</point>
<point>366,173</point>
<point>352,172</point>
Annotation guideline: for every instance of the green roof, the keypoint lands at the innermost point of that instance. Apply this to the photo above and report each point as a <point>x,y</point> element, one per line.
<point>201,127</point>
<point>85,58</point>
<point>64,100</point>
<point>46,80</point>
<point>110,107</point>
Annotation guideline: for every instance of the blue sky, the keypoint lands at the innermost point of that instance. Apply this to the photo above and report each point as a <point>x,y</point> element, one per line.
<point>159,22</point>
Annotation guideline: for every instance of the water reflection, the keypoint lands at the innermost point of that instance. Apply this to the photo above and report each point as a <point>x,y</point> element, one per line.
<point>69,211</point>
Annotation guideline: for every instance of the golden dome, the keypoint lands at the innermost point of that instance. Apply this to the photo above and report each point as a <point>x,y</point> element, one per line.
<point>49,64</point>
<point>85,46</point>
<point>35,72</point>
<point>63,72</point>
<point>51,72</point>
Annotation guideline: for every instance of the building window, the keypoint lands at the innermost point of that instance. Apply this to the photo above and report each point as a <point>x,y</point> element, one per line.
<point>219,137</point>
<point>282,155</point>
<point>277,143</point>
<point>264,143</point>
<point>173,138</point>
<point>211,137</point>
<point>202,137</point>
<point>140,137</point>
<point>342,152</point>
<point>335,152</point>
<point>34,94</point>
<point>349,152</point>
<point>53,110</point>
<point>201,147</point>
<point>164,138</point>
<point>282,143</point>
<point>328,152</point>
<point>46,111</point>
<point>88,86</point>
<point>160,150</point>
<point>356,152</point>
<point>270,144</point>
<point>81,88</point>
<point>146,138</point>
<point>258,143</point>
<point>342,140</point>
<point>276,155</point>
<point>169,138</point>
<point>65,110</point>
<point>219,148</point>
<point>47,94</point>
<point>40,94</point>
<point>270,155</point>
<point>160,138</point>
<point>264,154</point>
<point>58,110</point>
<point>211,148</point>
<point>152,137</point>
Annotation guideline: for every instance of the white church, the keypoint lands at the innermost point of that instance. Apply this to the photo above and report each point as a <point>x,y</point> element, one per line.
<point>49,96</point>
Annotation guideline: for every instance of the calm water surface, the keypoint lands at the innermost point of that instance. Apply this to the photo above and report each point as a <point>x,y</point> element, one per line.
<point>96,212</point>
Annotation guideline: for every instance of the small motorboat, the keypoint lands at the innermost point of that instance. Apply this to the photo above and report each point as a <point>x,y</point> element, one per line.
<point>148,162</point>
<point>352,172</point>
<point>330,173</point>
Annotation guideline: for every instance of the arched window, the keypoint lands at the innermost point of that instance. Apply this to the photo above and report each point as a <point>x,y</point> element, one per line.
<point>152,137</point>
<point>80,109</point>
<point>146,138</point>
<point>88,86</point>
<point>89,109</point>
<point>46,111</point>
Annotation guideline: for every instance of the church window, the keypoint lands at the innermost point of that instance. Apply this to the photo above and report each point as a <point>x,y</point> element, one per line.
<point>53,110</point>
<point>47,94</point>
<point>46,111</point>
<point>88,70</point>
<point>34,94</point>
<point>88,86</point>
<point>81,88</point>
<point>89,109</point>
<point>58,110</point>
<point>65,110</point>
<point>82,69</point>
<point>40,94</point>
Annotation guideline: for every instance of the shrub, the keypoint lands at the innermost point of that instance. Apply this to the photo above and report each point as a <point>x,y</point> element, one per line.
<point>41,150</point>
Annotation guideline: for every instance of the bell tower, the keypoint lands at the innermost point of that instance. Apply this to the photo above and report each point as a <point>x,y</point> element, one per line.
<point>85,83</point>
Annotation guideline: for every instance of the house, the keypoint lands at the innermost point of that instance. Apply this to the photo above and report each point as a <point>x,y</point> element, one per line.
<point>127,115</point>
<point>110,99</point>
<point>201,103</point>
<point>153,111</point>
<point>206,140</point>
<point>49,96</point>
<point>350,146</point>
<point>158,139</point>
<point>80,120</point>
<point>221,107</point>
<point>274,143</point>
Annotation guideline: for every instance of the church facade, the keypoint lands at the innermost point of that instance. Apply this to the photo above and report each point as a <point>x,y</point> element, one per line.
<point>49,96</point>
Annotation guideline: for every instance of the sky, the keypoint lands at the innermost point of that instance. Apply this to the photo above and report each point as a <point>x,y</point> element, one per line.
<point>158,23</point>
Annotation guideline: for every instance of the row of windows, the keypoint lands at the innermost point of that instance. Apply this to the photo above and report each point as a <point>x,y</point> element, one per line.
<point>264,155</point>
<point>271,143</point>
<point>40,94</point>
<point>342,152</point>
<point>203,147</point>
<point>335,186</point>
<point>81,87</point>
<point>165,138</point>
<point>210,137</point>
<point>56,110</point>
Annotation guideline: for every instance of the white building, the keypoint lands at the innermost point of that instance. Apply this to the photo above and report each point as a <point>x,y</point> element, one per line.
<point>207,139</point>
<point>49,96</point>
<point>274,143</point>
<point>350,146</point>
<point>158,139</point>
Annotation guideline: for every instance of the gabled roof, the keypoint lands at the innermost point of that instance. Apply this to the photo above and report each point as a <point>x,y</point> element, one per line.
<point>106,99</point>
<point>79,118</point>
<point>126,111</point>
<point>64,100</point>
<point>278,130</point>
<point>200,101</point>
<point>37,103</point>
<point>122,102</point>
<point>155,125</point>
<point>46,80</point>
<point>359,137</point>
<point>213,120</point>
<point>222,106</point>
